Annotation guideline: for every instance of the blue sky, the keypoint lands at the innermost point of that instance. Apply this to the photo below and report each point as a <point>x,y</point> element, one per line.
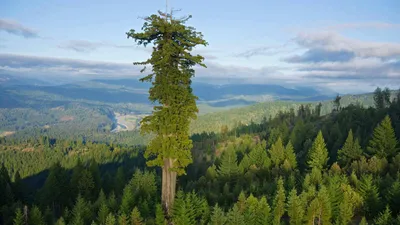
<point>346,46</point>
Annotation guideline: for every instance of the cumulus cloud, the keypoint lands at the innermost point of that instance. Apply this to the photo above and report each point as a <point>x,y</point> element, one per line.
<point>321,55</point>
<point>13,27</point>
<point>331,42</point>
<point>332,59</point>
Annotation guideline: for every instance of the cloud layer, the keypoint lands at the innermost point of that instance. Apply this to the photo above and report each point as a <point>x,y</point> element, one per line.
<point>326,59</point>
<point>53,67</point>
<point>13,27</point>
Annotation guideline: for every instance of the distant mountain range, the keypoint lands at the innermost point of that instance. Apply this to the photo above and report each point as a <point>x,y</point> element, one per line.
<point>134,91</point>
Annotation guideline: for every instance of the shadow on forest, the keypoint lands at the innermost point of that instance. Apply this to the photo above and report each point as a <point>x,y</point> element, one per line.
<point>128,162</point>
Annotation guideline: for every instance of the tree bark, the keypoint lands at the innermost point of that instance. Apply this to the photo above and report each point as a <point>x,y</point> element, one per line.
<point>168,185</point>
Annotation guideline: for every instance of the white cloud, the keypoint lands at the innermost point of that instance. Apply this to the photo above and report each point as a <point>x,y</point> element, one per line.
<point>13,27</point>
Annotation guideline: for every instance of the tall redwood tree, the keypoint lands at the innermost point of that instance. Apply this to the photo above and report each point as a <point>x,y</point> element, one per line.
<point>171,62</point>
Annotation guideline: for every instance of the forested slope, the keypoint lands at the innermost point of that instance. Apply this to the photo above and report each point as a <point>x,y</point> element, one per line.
<point>296,168</point>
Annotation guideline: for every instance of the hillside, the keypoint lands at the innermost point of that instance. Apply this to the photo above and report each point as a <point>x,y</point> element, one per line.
<point>89,108</point>
<point>214,121</point>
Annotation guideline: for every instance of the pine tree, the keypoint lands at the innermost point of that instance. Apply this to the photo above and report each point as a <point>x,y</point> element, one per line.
<point>384,218</point>
<point>320,208</point>
<point>19,217</point>
<point>160,217</point>
<point>119,180</point>
<point>251,213</point>
<point>86,184</point>
<point>295,208</point>
<point>369,192</point>
<point>263,212</point>
<point>336,102</point>
<point>112,202</point>
<point>103,213</point>
<point>235,217</point>
<point>136,218</point>
<point>81,211</point>
<point>218,216</point>
<point>350,202</point>
<point>351,150</point>
<point>102,199</point>
<point>35,216</point>
<point>228,168</point>
<point>94,169</point>
<point>290,156</point>
<point>318,154</point>
<point>127,200</point>
<point>110,219</point>
<point>183,211</point>
<point>76,175</point>
<point>379,98</point>
<point>258,156</point>
<point>383,143</point>
<point>172,64</point>
<point>394,196</point>
<point>279,203</point>
<point>277,152</point>
<point>123,219</point>
<point>60,221</point>
<point>55,189</point>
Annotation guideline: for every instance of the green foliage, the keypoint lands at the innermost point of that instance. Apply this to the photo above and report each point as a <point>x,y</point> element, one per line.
<point>60,221</point>
<point>318,154</point>
<point>19,217</point>
<point>218,216</point>
<point>36,216</point>
<point>103,213</point>
<point>370,194</point>
<point>348,205</point>
<point>160,217</point>
<point>382,98</point>
<point>189,208</point>
<point>320,208</point>
<point>279,203</point>
<point>363,221</point>
<point>290,162</point>
<point>383,143</point>
<point>81,211</point>
<point>127,200</point>
<point>277,152</point>
<point>123,219</point>
<point>136,218</point>
<point>295,208</point>
<point>86,184</point>
<point>183,210</point>
<point>384,218</point>
<point>119,179</point>
<point>350,151</point>
<point>263,212</point>
<point>171,75</point>
<point>110,219</point>
<point>335,196</point>
<point>228,168</point>
<point>235,217</point>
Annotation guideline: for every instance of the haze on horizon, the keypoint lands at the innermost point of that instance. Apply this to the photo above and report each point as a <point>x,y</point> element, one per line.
<point>345,46</point>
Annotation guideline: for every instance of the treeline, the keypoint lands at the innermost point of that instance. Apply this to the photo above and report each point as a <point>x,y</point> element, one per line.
<point>212,122</point>
<point>296,168</point>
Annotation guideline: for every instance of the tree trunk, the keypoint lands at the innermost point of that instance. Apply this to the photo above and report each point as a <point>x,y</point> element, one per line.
<point>168,185</point>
